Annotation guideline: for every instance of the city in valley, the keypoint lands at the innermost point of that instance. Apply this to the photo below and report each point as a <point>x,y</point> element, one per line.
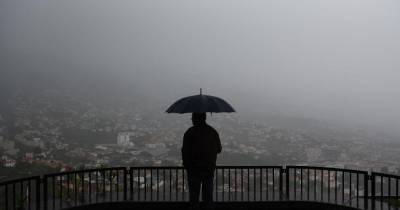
<point>56,131</point>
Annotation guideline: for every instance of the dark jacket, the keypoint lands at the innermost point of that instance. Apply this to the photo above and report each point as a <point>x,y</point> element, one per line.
<point>201,144</point>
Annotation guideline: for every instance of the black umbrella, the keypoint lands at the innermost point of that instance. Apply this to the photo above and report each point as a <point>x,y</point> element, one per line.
<point>200,104</point>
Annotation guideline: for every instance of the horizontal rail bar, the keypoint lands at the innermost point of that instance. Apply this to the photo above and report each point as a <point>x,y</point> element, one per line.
<point>326,169</point>
<point>85,171</point>
<point>20,180</point>
<point>385,175</point>
<point>219,167</point>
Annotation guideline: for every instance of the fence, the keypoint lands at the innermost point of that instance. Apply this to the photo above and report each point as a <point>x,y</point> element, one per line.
<point>231,184</point>
<point>20,194</point>
<point>328,185</point>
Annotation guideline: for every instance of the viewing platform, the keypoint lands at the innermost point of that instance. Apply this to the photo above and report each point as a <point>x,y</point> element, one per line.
<point>235,187</point>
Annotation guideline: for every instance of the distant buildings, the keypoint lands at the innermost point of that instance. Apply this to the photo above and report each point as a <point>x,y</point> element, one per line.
<point>29,157</point>
<point>8,162</point>
<point>8,146</point>
<point>156,149</point>
<point>125,139</point>
<point>30,142</point>
<point>45,140</point>
<point>100,147</point>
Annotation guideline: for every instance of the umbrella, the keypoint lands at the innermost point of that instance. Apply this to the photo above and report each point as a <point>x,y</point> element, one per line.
<point>200,104</point>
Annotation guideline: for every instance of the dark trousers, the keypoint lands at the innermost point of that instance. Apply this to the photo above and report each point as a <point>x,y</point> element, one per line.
<point>201,177</point>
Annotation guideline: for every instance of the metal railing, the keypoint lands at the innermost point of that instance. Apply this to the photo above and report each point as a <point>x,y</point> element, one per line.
<point>344,187</point>
<point>248,183</point>
<point>75,188</point>
<point>149,184</point>
<point>328,185</point>
<point>384,191</point>
<point>20,194</point>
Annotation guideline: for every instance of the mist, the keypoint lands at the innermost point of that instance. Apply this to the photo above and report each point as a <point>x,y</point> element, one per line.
<point>331,60</point>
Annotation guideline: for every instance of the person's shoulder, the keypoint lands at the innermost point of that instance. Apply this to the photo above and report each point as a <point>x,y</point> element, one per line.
<point>211,128</point>
<point>189,130</point>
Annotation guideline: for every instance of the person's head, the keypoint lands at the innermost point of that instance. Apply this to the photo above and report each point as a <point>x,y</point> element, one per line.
<point>198,118</point>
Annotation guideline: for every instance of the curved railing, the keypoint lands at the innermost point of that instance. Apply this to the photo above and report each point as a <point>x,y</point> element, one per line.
<point>344,187</point>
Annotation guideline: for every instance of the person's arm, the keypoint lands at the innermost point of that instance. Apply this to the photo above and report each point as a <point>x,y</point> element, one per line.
<point>185,150</point>
<point>219,146</point>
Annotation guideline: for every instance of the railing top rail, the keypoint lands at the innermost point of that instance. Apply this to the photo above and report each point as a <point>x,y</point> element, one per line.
<point>218,167</point>
<point>327,168</point>
<point>84,171</point>
<point>250,167</point>
<point>154,167</point>
<point>385,175</point>
<point>20,180</point>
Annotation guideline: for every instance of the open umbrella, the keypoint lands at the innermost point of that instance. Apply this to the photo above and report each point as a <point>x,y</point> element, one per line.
<point>200,104</point>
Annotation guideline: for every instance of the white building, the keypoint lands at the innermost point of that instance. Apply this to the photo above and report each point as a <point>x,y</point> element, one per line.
<point>125,139</point>
<point>37,142</point>
<point>28,157</point>
<point>8,162</point>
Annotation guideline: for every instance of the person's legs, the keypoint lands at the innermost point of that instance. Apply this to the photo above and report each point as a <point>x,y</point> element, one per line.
<point>207,188</point>
<point>194,186</point>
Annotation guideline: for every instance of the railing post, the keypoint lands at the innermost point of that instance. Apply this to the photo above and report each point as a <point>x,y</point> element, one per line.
<point>366,177</point>
<point>280,184</point>
<point>38,181</point>
<point>131,183</point>
<point>44,192</point>
<point>287,182</point>
<point>125,183</point>
<point>373,191</point>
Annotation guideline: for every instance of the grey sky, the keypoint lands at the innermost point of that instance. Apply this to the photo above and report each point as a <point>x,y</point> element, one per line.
<point>336,59</point>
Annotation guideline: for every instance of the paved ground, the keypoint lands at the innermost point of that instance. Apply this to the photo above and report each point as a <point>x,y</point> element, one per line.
<point>218,206</point>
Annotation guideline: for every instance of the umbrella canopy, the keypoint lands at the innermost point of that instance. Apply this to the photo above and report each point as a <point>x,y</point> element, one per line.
<point>200,104</point>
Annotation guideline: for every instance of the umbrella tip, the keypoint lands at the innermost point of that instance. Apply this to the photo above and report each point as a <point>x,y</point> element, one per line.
<point>200,91</point>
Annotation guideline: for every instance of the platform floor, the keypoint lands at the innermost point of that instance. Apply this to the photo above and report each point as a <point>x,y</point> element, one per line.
<point>276,205</point>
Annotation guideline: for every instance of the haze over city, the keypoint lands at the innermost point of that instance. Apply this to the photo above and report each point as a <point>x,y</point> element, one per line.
<point>331,60</point>
<point>313,82</point>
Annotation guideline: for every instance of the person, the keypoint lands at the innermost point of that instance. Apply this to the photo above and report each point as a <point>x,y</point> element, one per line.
<point>201,144</point>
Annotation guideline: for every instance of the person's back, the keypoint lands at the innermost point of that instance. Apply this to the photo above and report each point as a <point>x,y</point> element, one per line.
<point>201,144</point>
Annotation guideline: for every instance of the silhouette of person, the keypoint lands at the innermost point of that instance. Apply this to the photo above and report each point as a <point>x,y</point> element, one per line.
<point>201,144</point>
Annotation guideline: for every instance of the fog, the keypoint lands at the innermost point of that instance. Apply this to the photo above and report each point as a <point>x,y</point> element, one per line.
<point>335,60</point>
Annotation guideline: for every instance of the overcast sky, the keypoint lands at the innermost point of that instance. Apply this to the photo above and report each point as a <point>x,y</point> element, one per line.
<point>325,59</point>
